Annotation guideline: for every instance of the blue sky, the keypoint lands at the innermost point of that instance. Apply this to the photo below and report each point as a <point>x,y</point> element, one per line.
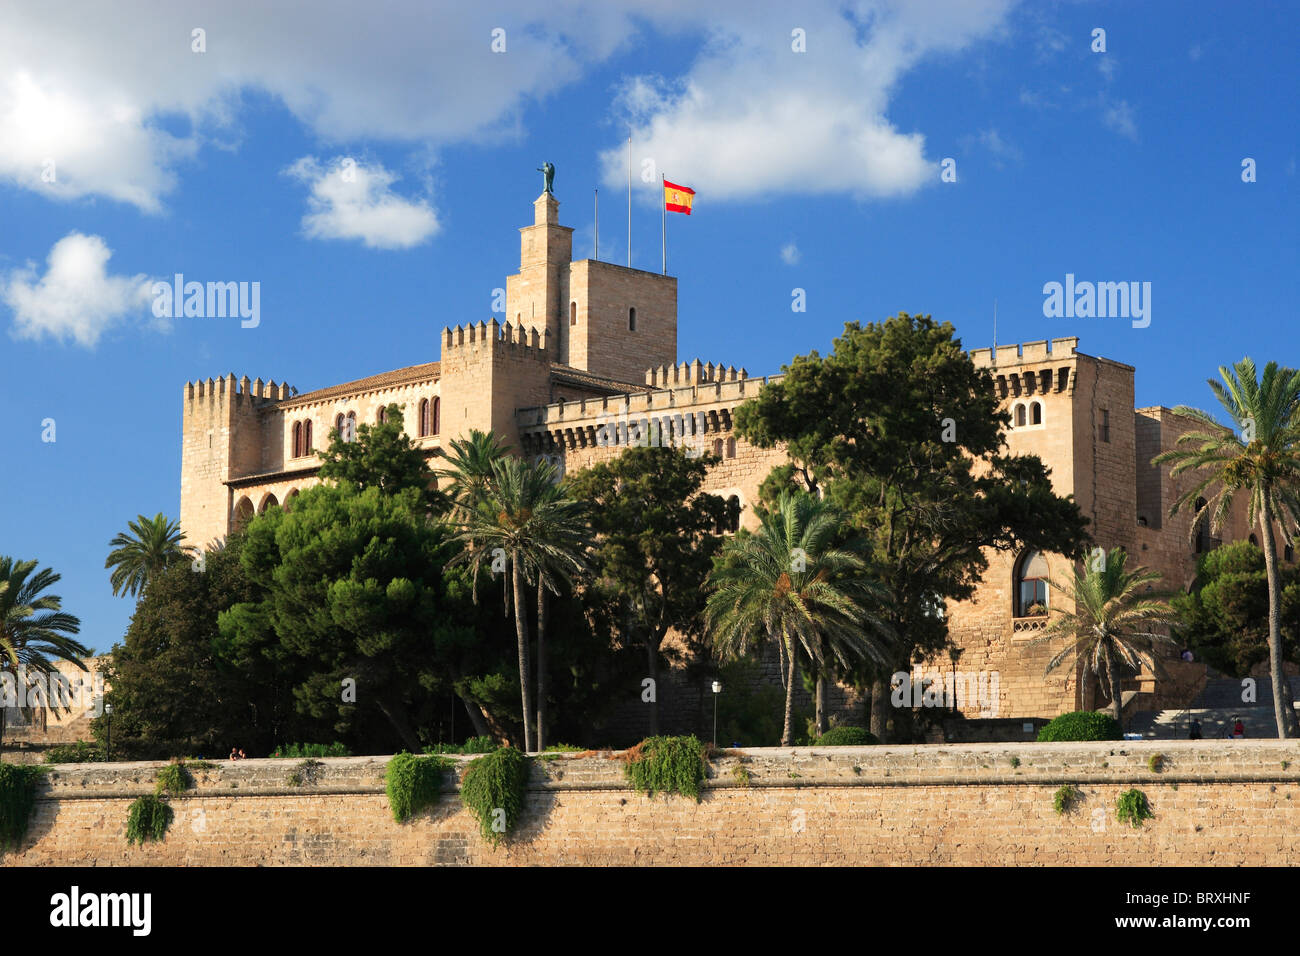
<point>818,170</point>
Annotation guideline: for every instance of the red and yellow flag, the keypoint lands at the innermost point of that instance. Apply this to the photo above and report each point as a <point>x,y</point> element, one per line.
<point>678,198</point>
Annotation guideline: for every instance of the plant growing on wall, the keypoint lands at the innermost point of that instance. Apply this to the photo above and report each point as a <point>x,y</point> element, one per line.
<point>1132,808</point>
<point>668,765</point>
<point>173,778</point>
<point>148,819</point>
<point>17,799</point>
<point>413,783</point>
<point>493,790</point>
<point>1066,799</point>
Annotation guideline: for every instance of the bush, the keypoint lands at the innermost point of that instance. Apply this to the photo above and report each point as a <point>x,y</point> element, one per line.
<point>493,790</point>
<point>564,749</point>
<point>17,800</point>
<point>1132,808</point>
<point>413,783</point>
<point>1066,799</point>
<point>1081,725</point>
<point>846,737</point>
<point>148,819</point>
<point>303,751</point>
<point>173,778</point>
<point>667,764</point>
<point>83,751</point>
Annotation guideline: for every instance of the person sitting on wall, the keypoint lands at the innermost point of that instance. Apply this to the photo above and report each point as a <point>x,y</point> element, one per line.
<point>1239,729</point>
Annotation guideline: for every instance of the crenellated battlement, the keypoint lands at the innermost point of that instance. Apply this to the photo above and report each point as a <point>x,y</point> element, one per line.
<point>692,373</point>
<point>237,390</point>
<point>1026,354</point>
<point>508,337</point>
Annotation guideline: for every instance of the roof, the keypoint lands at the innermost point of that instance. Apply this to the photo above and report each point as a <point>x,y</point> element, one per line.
<point>577,376</point>
<point>400,376</point>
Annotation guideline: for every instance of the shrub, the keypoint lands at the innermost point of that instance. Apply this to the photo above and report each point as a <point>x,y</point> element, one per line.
<point>302,751</point>
<point>148,819</point>
<point>493,790</point>
<point>17,800</point>
<point>846,737</point>
<point>1156,763</point>
<point>1132,808</point>
<point>564,749</point>
<point>413,783</point>
<point>83,751</point>
<point>1081,725</point>
<point>742,775</point>
<point>667,764</point>
<point>1066,799</point>
<point>305,773</point>
<point>173,778</point>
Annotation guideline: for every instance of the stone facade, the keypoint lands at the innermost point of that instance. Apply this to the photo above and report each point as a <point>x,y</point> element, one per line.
<point>1215,803</point>
<point>585,364</point>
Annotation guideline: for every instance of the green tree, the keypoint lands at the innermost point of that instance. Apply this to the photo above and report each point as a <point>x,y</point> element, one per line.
<point>141,552</point>
<point>177,687</point>
<point>656,538</point>
<point>354,591</point>
<point>901,431</point>
<point>788,584</point>
<point>1225,617</point>
<point>468,471</point>
<point>523,527</point>
<point>1110,629</point>
<point>35,631</point>
<point>384,457</point>
<point>1263,463</point>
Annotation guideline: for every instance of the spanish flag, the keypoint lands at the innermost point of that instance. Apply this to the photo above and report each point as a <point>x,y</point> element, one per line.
<point>678,198</point>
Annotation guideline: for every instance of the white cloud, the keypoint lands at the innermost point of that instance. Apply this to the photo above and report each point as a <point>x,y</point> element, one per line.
<point>353,200</point>
<point>751,117</point>
<point>790,254</point>
<point>1119,117</point>
<point>1001,150</point>
<point>76,298</point>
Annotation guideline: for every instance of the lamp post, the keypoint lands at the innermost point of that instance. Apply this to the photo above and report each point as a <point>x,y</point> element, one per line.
<point>108,712</point>
<point>717,689</point>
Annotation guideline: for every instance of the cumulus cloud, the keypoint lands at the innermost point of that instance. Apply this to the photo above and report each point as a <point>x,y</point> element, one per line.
<point>76,298</point>
<point>790,254</point>
<point>353,200</point>
<point>752,116</point>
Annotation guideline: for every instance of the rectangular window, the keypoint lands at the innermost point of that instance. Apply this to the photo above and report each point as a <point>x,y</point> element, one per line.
<point>1105,425</point>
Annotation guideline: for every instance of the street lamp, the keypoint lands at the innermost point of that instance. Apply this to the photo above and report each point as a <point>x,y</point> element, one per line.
<point>717,689</point>
<point>108,712</point>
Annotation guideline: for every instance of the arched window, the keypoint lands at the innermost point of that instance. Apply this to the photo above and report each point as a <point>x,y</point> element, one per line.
<point>306,437</point>
<point>268,502</point>
<point>1031,585</point>
<point>631,320</point>
<point>288,499</point>
<point>717,448</point>
<point>437,414</point>
<point>1020,415</point>
<point>1036,413</point>
<point>297,439</point>
<point>733,514</point>
<point>1202,529</point>
<point>424,417</point>
<point>731,448</point>
<point>243,513</point>
<point>573,313</point>
<point>382,415</point>
<point>350,427</point>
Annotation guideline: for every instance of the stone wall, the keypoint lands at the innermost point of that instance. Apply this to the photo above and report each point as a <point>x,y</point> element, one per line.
<point>1215,803</point>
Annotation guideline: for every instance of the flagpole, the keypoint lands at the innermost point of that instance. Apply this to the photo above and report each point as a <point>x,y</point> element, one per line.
<point>595,242</point>
<point>629,198</point>
<point>663,202</point>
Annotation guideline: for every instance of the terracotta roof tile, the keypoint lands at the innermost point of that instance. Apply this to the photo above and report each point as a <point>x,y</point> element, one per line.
<point>401,376</point>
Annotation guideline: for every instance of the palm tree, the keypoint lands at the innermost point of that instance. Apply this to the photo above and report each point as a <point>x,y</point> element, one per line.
<point>469,470</point>
<point>34,630</point>
<point>788,583</point>
<point>152,544</point>
<point>1263,461</point>
<point>523,523</point>
<point>1110,627</point>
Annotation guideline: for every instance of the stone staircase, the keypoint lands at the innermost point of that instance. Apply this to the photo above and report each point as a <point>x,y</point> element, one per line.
<point>1217,707</point>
